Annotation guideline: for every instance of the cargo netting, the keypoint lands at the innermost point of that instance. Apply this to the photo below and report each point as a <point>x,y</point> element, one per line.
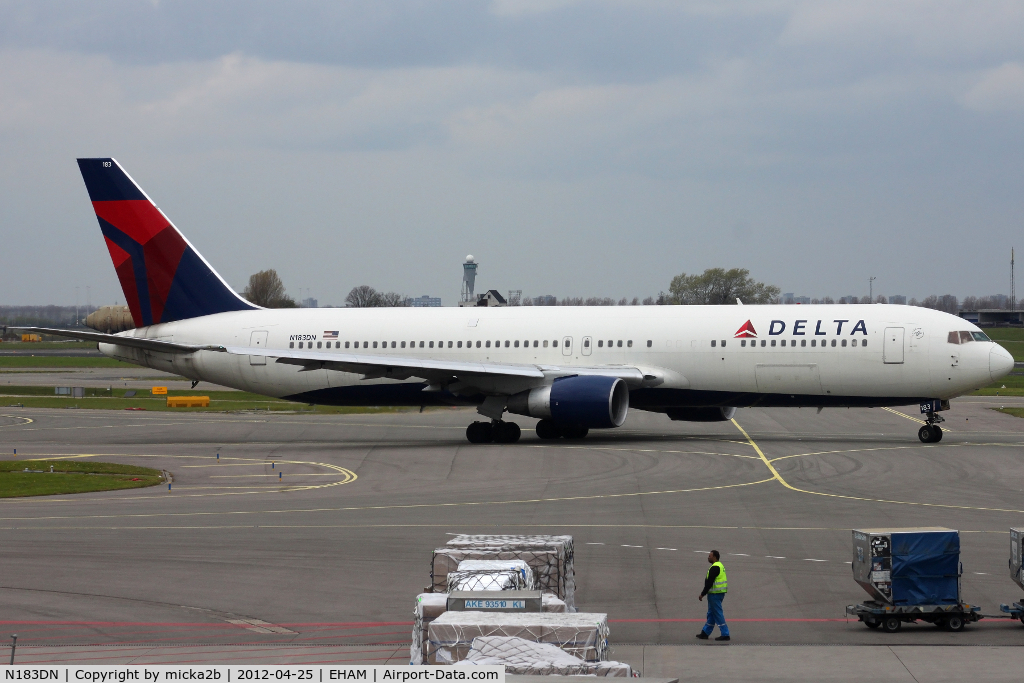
<point>491,575</point>
<point>583,635</point>
<point>550,558</point>
<point>430,606</point>
<point>488,580</point>
<point>526,658</point>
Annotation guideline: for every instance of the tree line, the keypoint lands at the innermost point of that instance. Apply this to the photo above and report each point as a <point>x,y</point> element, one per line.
<point>715,286</point>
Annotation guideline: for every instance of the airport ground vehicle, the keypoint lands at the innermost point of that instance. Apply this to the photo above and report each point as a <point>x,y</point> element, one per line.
<point>890,618</point>
<point>575,369</point>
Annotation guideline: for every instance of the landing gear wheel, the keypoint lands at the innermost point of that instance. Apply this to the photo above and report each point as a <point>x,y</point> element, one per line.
<point>480,432</point>
<point>546,429</point>
<point>954,622</point>
<point>574,431</point>
<point>506,432</point>
<point>930,433</point>
<point>872,623</point>
<point>891,624</point>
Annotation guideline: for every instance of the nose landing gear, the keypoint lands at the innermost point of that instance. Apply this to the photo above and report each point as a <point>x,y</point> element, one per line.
<point>930,432</point>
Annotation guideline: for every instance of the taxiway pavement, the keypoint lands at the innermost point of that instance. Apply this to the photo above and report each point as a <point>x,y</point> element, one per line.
<point>318,529</point>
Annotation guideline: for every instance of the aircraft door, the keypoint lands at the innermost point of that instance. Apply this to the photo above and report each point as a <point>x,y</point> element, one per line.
<point>892,345</point>
<point>566,346</point>
<point>258,339</point>
<point>587,346</point>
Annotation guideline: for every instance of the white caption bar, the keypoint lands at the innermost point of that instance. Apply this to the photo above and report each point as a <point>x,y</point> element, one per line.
<point>242,674</point>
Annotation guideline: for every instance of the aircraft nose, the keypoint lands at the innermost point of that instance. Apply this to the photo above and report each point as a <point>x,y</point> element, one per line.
<point>1000,362</point>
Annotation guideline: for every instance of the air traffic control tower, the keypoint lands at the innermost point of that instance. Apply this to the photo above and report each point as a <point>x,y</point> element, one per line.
<point>468,281</point>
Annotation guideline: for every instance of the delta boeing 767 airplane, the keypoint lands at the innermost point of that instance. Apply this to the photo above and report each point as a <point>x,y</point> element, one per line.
<point>576,368</point>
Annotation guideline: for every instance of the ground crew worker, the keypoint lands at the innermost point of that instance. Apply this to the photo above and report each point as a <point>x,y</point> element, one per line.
<point>715,587</point>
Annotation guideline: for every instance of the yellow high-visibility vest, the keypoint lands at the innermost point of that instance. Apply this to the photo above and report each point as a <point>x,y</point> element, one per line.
<point>721,584</point>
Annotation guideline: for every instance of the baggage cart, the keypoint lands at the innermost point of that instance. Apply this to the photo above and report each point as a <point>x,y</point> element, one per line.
<point>1013,611</point>
<point>890,618</point>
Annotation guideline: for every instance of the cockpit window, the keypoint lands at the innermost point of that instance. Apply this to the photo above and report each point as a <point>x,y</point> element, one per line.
<point>953,338</point>
<point>965,337</point>
<point>980,336</point>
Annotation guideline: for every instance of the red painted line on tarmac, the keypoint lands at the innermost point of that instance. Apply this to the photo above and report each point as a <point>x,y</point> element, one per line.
<point>241,656</point>
<point>701,621</point>
<point>342,624</point>
<point>354,635</point>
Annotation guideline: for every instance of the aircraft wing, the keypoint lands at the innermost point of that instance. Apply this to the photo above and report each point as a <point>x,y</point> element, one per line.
<point>133,342</point>
<point>485,374</point>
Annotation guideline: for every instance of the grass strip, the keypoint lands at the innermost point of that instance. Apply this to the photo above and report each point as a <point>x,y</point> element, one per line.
<point>45,346</point>
<point>61,362</point>
<point>1016,412</point>
<point>71,476</point>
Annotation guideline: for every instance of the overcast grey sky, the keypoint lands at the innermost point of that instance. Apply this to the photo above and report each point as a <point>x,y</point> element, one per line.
<point>578,148</point>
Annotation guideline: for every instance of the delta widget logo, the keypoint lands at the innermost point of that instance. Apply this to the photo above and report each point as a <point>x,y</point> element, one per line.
<point>746,331</point>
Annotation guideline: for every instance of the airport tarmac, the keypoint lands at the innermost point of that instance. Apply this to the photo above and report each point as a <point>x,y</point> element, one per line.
<point>117,378</point>
<point>318,529</point>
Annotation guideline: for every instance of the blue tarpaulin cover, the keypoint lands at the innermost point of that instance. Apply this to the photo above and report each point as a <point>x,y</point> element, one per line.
<point>925,568</point>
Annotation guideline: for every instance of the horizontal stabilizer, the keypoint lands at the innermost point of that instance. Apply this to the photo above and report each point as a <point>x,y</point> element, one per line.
<point>121,340</point>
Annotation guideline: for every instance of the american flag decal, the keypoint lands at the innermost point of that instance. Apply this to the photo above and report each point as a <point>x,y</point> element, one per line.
<point>330,334</point>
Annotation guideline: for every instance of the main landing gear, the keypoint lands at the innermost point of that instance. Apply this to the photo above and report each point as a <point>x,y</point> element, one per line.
<point>930,432</point>
<point>547,429</point>
<point>497,431</point>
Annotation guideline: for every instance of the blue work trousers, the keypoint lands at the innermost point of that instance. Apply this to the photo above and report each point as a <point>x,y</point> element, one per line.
<point>716,617</point>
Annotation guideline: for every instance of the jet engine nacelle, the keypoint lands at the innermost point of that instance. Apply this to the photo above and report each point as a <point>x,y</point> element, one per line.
<point>703,414</point>
<point>590,401</point>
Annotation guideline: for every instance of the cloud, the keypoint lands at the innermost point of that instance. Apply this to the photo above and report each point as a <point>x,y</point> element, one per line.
<point>998,90</point>
<point>536,129</point>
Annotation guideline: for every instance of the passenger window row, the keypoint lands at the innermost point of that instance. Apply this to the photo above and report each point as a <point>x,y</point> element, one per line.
<point>953,338</point>
<point>803,342</point>
<point>508,343</point>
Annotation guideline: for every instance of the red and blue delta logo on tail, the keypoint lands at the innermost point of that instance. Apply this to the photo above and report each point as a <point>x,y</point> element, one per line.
<point>747,330</point>
<point>163,277</point>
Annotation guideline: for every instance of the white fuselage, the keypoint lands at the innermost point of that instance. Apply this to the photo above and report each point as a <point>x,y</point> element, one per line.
<point>878,352</point>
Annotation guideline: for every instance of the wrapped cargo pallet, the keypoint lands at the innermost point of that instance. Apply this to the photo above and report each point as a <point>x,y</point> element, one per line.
<point>582,635</point>
<point>430,606</point>
<point>1017,556</point>
<point>550,558</point>
<point>526,658</point>
<point>913,566</point>
<point>491,575</point>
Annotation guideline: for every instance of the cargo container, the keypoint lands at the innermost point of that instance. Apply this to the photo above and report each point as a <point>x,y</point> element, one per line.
<point>912,574</point>
<point>913,566</point>
<point>1017,556</point>
<point>1016,610</point>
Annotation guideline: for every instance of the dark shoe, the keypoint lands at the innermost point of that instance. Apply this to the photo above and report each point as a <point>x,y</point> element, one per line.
<point>723,638</point>
<point>702,635</point>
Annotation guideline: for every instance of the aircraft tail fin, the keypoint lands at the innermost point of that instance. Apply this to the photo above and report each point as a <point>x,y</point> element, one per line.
<point>162,275</point>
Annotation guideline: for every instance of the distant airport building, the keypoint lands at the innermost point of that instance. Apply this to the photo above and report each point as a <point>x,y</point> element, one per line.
<point>489,298</point>
<point>898,299</point>
<point>790,298</point>
<point>309,303</point>
<point>424,301</point>
<point>993,316</point>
